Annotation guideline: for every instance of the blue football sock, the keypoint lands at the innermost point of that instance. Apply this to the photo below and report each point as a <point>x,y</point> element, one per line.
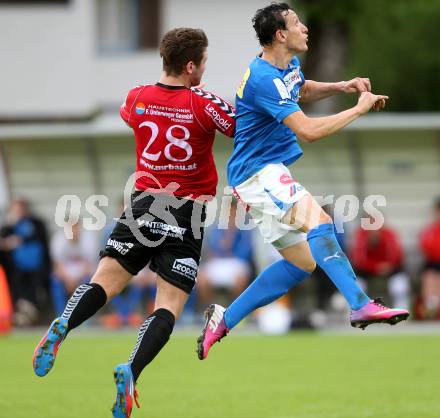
<point>329,256</point>
<point>271,284</point>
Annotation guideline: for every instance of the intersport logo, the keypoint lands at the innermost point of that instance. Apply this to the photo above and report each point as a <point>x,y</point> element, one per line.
<point>217,117</point>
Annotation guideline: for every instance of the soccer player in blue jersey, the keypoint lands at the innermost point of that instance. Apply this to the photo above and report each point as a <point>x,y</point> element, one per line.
<point>269,122</point>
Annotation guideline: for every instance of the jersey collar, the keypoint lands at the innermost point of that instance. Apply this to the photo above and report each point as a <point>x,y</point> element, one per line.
<point>166,86</point>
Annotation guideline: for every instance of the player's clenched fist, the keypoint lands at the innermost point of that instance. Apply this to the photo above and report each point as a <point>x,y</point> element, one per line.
<point>356,85</point>
<point>369,100</point>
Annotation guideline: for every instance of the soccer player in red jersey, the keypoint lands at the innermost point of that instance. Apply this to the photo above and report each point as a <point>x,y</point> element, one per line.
<point>174,124</point>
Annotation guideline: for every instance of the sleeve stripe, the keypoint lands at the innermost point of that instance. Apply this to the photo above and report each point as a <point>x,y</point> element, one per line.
<point>226,107</point>
<point>134,101</point>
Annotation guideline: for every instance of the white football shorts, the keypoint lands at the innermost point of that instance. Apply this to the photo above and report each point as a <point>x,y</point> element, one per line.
<point>268,195</point>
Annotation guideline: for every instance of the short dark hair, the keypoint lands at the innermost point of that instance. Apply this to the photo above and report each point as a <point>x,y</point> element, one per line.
<point>268,20</point>
<point>180,46</point>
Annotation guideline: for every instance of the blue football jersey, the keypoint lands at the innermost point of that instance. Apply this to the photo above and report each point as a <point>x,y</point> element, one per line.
<point>265,97</point>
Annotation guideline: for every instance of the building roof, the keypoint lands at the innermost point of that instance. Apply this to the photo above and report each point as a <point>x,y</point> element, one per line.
<point>110,124</point>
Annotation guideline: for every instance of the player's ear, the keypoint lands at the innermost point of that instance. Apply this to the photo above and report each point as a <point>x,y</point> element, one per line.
<point>280,36</point>
<point>189,67</point>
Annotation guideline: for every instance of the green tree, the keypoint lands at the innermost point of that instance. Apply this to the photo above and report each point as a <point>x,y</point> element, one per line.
<point>394,42</point>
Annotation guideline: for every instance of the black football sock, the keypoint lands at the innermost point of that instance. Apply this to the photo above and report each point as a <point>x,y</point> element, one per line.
<point>84,303</point>
<point>153,335</point>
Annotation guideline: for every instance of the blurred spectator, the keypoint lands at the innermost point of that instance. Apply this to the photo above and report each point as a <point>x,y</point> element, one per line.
<point>377,258</point>
<point>131,305</point>
<point>229,264</point>
<point>430,279</point>
<point>74,262</point>
<point>26,258</point>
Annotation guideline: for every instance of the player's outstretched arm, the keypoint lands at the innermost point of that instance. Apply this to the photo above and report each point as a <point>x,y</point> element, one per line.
<point>313,91</point>
<point>311,129</point>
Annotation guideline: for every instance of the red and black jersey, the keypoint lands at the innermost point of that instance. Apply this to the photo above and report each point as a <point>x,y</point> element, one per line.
<point>175,129</point>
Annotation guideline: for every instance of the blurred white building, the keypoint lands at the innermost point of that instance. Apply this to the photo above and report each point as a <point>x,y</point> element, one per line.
<point>64,62</point>
<point>70,58</point>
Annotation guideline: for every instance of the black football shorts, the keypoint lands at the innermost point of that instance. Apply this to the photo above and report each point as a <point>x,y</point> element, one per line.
<point>163,230</point>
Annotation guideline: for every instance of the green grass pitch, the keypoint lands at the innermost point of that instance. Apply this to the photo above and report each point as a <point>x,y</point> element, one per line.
<point>302,375</point>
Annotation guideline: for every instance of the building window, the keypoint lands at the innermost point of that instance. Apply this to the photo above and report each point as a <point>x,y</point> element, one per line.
<point>127,25</point>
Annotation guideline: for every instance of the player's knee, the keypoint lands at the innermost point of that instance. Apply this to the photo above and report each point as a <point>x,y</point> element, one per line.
<point>325,218</point>
<point>309,266</point>
<point>111,276</point>
<point>110,287</point>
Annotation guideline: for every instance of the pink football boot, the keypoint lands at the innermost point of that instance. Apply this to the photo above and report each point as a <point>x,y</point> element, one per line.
<point>374,312</point>
<point>213,331</point>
